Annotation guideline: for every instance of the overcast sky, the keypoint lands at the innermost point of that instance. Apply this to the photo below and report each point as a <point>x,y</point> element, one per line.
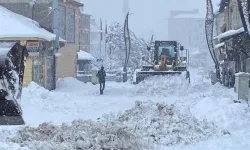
<point>150,16</point>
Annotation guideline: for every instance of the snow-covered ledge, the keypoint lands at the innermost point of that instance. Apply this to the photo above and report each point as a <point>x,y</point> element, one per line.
<point>229,33</point>
<point>82,55</point>
<point>219,45</point>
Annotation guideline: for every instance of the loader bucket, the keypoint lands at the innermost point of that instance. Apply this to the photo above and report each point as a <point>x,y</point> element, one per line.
<point>142,75</point>
<point>12,59</point>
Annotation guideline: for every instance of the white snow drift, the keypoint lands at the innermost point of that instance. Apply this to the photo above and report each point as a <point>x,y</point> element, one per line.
<point>140,128</point>
<point>153,121</point>
<point>165,125</point>
<point>81,135</point>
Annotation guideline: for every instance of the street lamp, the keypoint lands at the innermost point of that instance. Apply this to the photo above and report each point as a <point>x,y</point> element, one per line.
<point>127,46</point>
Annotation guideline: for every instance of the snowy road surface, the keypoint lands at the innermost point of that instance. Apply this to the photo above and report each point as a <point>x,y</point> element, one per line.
<point>227,124</point>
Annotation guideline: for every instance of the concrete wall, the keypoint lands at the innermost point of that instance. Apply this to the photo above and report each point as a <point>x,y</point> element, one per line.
<point>66,61</point>
<point>219,21</point>
<point>234,15</point>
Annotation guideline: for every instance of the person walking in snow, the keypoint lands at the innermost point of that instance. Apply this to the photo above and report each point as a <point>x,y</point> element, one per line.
<point>101,75</point>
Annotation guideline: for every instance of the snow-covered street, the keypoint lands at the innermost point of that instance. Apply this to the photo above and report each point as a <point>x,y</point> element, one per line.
<point>171,71</point>
<point>178,125</point>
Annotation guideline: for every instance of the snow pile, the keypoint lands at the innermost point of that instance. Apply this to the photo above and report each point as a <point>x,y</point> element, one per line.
<point>165,125</point>
<point>36,90</point>
<point>162,85</point>
<point>68,83</point>
<point>144,127</point>
<point>80,135</point>
<point>73,85</point>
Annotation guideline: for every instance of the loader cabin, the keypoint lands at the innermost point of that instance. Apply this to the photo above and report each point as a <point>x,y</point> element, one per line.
<point>167,48</point>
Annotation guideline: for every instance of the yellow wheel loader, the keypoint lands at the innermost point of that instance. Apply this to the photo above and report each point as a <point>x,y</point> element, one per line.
<point>167,60</point>
<point>12,63</point>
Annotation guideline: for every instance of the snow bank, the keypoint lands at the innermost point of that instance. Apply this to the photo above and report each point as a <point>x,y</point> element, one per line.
<point>36,90</point>
<point>70,84</point>
<point>147,126</point>
<point>224,112</point>
<point>81,135</point>
<point>174,85</point>
<point>165,125</point>
<point>161,85</point>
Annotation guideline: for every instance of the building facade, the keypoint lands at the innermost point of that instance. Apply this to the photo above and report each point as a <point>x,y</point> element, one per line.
<point>231,42</point>
<point>84,56</point>
<point>33,37</point>
<point>84,32</point>
<point>68,30</point>
<point>187,28</point>
<point>95,37</point>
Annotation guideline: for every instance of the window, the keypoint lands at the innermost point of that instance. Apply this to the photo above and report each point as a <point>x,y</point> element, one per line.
<point>231,17</point>
<point>87,38</point>
<point>62,24</point>
<point>71,26</point>
<point>169,51</point>
<point>85,21</point>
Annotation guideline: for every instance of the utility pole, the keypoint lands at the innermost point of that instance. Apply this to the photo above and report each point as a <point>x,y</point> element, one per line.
<point>127,48</point>
<point>105,40</point>
<point>51,61</point>
<point>101,39</point>
<point>125,7</point>
<point>126,38</point>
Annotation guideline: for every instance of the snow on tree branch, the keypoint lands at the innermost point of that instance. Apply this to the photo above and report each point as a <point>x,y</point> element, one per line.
<point>116,49</point>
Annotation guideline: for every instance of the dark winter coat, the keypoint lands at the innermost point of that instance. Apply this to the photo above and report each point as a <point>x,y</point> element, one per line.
<point>101,75</point>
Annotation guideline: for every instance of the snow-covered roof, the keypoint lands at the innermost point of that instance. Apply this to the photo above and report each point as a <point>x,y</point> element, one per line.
<point>229,33</point>
<point>17,26</point>
<point>82,55</point>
